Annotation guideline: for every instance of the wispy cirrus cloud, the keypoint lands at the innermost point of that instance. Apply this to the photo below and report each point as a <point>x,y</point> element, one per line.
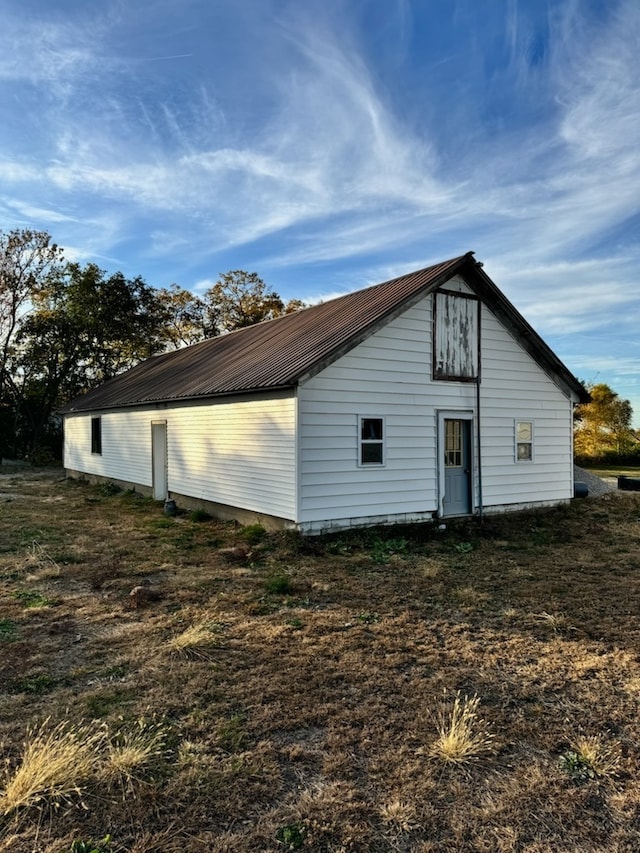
<point>53,52</point>
<point>331,144</point>
<point>559,295</point>
<point>30,211</point>
<point>328,145</point>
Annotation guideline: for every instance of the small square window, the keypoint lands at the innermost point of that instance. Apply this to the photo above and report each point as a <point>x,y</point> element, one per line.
<point>524,441</point>
<point>96,435</point>
<point>371,441</point>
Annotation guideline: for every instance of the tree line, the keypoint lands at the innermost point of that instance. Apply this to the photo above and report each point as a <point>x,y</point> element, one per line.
<point>66,328</point>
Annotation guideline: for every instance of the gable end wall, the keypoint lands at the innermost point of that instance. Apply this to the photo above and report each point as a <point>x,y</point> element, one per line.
<point>389,376</point>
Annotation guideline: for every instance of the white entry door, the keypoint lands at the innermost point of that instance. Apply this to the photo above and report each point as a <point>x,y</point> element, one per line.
<point>159,459</point>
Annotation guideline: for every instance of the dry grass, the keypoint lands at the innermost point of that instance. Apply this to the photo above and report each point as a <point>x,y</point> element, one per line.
<point>591,756</point>
<point>39,563</point>
<point>463,736</point>
<point>132,753</point>
<point>232,716</point>
<point>54,764</point>
<point>194,642</point>
<point>399,815</point>
<point>554,621</point>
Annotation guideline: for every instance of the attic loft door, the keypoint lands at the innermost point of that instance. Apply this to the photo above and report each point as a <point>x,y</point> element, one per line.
<point>159,460</point>
<point>456,445</point>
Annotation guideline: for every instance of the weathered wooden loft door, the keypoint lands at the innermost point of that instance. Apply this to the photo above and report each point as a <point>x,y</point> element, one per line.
<point>457,467</point>
<point>159,459</point>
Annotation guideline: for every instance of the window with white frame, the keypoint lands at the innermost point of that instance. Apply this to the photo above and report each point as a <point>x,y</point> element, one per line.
<point>371,441</point>
<point>524,441</point>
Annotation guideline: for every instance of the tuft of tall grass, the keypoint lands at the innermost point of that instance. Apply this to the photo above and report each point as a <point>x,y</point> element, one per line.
<point>131,753</point>
<point>194,642</point>
<point>555,621</point>
<point>602,757</point>
<point>37,559</point>
<point>55,763</point>
<point>591,757</point>
<point>463,736</point>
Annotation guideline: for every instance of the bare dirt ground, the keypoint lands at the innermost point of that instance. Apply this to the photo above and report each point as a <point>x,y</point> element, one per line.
<point>279,694</point>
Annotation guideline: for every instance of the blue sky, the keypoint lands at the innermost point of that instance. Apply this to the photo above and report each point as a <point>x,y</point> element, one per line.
<point>331,144</point>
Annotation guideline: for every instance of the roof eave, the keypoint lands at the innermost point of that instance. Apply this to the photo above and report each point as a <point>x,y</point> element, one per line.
<point>165,401</point>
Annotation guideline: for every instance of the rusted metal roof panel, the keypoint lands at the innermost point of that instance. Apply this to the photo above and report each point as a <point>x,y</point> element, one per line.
<point>267,356</point>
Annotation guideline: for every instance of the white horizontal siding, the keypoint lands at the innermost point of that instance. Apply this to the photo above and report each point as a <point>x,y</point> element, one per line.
<point>126,446</point>
<point>458,285</point>
<point>513,388</point>
<point>239,453</point>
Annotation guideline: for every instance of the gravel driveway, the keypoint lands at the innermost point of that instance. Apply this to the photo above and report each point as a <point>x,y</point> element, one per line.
<point>596,485</point>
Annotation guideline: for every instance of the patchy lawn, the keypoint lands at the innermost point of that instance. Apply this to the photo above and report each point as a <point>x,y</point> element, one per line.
<point>178,684</point>
<point>614,471</point>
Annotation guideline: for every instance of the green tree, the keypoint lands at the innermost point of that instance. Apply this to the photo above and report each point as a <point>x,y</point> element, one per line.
<point>604,424</point>
<point>28,259</point>
<point>239,299</point>
<point>182,317</point>
<point>294,305</point>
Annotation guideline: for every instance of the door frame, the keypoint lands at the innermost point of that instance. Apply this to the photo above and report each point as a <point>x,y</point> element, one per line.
<point>159,460</point>
<point>454,415</point>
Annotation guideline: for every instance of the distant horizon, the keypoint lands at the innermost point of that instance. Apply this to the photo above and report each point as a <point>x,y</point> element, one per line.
<point>331,145</point>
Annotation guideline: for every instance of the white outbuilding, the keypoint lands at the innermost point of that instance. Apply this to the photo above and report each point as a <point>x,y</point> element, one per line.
<point>425,397</point>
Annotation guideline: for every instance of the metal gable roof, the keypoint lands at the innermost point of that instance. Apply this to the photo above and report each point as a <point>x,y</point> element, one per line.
<point>276,354</point>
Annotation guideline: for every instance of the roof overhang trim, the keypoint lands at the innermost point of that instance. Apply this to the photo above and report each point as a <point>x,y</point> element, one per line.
<point>225,396</point>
